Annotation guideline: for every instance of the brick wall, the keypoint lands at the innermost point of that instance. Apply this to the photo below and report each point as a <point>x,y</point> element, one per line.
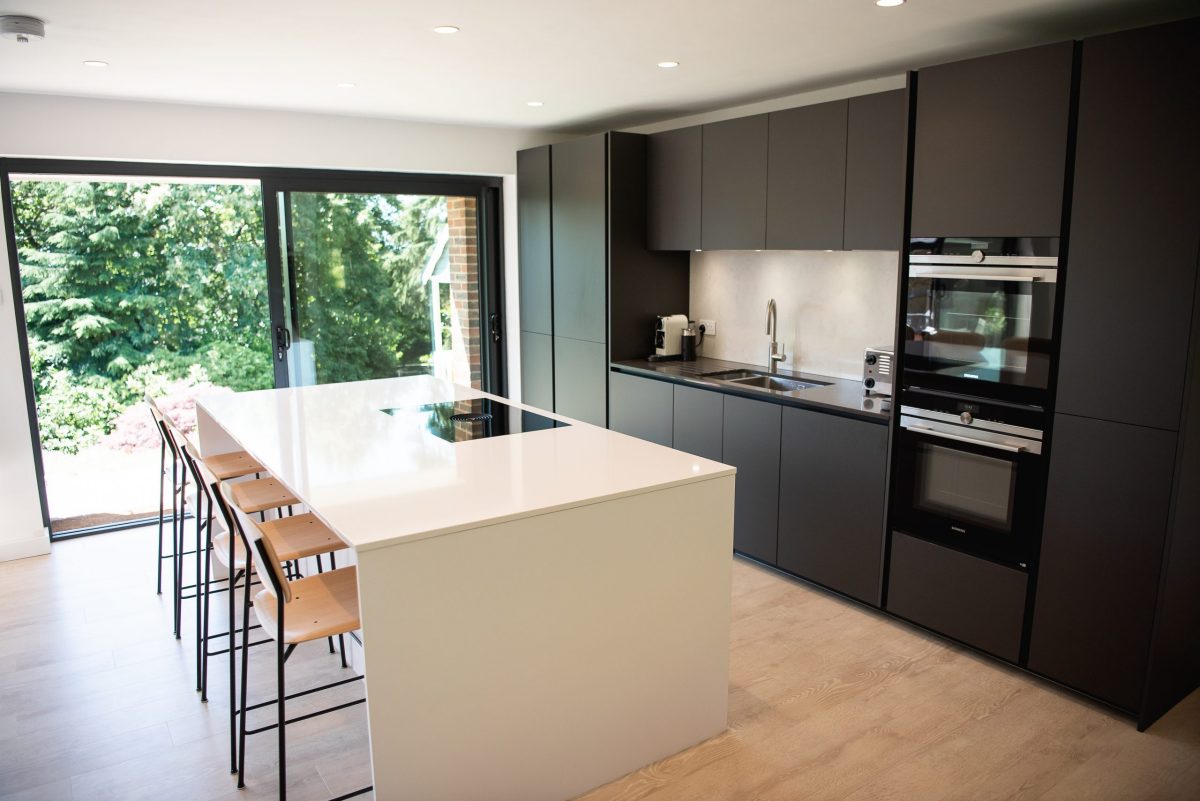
<point>466,324</point>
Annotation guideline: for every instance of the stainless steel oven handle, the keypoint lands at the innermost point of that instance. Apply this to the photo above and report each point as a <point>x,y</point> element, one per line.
<point>1000,446</point>
<point>976,276</point>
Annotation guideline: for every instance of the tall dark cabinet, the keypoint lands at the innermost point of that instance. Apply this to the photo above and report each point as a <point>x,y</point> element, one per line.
<point>1118,596</point>
<point>589,285</point>
<point>991,144</point>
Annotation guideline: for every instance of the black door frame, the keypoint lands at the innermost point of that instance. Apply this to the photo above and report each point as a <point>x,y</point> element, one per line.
<point>490,225</point>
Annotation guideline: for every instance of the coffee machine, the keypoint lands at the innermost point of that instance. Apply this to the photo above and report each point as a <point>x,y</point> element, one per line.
<point>668,335</point>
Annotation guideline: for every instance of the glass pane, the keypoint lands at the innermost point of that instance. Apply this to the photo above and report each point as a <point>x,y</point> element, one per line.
<point>134,286</point>
<point>383,285</point>
<point>965,485</point>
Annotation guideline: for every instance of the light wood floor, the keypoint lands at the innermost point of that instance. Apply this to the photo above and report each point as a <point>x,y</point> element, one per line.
<point>827,701</point>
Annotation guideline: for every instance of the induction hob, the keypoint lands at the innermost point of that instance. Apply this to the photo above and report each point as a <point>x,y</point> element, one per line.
<point>476,418</point>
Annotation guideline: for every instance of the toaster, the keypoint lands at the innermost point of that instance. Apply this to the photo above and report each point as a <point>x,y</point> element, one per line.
<point>877,371</point>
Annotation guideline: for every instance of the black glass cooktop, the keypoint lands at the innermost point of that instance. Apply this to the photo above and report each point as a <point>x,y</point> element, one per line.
<point>478,418</point>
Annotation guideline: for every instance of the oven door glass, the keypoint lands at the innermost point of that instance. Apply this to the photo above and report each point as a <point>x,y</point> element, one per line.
<point>964,486</point>
<point>979,336</point>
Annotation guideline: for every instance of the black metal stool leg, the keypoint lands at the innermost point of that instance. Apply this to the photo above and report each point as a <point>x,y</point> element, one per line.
<point>281,657</point>
<point>162,501</point>
<point>233,718</point>
<point>241,746</point>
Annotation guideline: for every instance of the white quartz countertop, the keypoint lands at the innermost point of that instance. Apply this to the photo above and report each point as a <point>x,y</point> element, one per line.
<point>377,479</point>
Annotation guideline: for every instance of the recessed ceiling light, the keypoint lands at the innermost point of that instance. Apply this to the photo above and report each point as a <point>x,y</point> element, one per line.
<point>95,64</point>
<point>535,104</point>
<point>346,85</point>
<point>668,65</point>
<point>446,29</point>
<point>889,3</point>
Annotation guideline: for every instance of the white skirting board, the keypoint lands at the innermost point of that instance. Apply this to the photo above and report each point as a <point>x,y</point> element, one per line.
<point>37,545</point>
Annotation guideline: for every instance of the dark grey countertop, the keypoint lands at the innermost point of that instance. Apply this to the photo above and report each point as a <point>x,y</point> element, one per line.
<point>840,397</point>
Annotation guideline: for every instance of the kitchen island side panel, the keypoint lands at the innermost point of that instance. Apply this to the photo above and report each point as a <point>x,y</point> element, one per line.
<point>542,657</point>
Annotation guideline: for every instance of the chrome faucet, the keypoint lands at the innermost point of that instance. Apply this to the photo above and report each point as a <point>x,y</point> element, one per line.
<point>775,355</point>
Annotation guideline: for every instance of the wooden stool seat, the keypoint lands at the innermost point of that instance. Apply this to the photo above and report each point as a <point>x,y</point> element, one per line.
<point>299,536</point>
<point>320,606</point>
<point>234,464</point>
<point>261,494</point>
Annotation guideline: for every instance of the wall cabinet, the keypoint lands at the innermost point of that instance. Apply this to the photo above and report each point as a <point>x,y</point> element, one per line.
<point>640,407</point>
<point>673,183</point>
<point>697,421</point>
<point>806,188</point>
<point>991,144</point>
<point>750,442</point>
<point>876,155</point>
<point>831,501</point>
<point>734,184</point>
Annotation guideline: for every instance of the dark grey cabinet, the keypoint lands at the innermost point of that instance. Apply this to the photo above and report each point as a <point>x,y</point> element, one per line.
<point>733,206</point>
<point>673,189</point>
<point>537,370</point>
<point>698,422</point>
<point>640,407</point>
<point>533,228</point>
<point>806,186</point>
<point>581,380</point>
<point>831,501</point>
<point>876,152</point>
<point>991,144</point>
<point>1102,546</point>
<point>578,206</point>
<point>1135,228</point>
<point>750,442</point>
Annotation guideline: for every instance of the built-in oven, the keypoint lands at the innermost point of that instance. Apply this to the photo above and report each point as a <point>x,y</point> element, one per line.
<point>979,324</point>
<point>975,485</point>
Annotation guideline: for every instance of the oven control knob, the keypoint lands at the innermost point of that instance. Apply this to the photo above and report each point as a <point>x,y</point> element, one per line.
<point>869,383</point>
<point>977,256</point>
<point>967,418</point>
<point>871,359</point>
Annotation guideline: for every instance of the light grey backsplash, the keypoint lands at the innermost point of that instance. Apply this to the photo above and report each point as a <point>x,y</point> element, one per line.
<point>831,305</point>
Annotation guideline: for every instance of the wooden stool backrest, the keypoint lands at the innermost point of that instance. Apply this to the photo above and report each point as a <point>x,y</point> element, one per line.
<point>265,560</point>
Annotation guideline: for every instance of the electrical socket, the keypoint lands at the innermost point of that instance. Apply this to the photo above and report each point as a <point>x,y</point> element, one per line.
<point>710,327</point>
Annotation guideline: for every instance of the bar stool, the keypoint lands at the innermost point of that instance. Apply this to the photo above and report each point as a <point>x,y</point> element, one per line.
<point>291,612</point>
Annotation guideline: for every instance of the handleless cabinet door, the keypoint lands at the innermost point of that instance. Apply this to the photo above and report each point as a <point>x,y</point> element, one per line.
<point>831,501</point>
<point>806,187</point>
<point>750,442</point>
<point>578,208</point>
<point>991,144</point>
<point>876,149</point>
<point>533,229</point>
<point>734,189</point>
<point>537,370</point>
<point>673,188</point>
<point>698,422</point>
<point>1135,227</point>
<point>640,407</point>
<point>1106,519</point>
<point>581,380</point>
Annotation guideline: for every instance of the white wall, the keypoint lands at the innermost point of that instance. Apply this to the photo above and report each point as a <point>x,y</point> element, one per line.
<point>830,305</point>
<point>46,126</point>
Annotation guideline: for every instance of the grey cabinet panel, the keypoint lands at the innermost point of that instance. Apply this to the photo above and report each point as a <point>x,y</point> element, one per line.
<point>640,407</point>
<point>1102,546</point>
<point>806,185</point>
<point>578,206</point>
<point>978,602</point>
<point>750,442</point>
<point>733,205</point>
<point>533,229</point>
<point>581,380</point>
<point>1135,227</point>
<point>991,144</point>
<point>698,422</point>
<point>674,167</point>
<point>537,370</point>
<point>831,501</point>
<point>876,150</point>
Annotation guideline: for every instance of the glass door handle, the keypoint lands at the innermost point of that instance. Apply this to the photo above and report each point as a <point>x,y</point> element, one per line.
<point>283,341</point>
<point>494,326</point>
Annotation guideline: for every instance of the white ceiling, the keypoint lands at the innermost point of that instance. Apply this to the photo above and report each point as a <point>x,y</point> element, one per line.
<point>592,62</point>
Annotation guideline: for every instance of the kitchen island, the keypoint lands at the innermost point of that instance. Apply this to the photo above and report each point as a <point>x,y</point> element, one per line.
<point>544,609</point>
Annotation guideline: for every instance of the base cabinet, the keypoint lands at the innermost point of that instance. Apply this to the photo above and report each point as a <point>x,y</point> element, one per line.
<point>750,442</point>
<point>537,370</point>
<point>581,380</point>
<point>831,501</point>
<point>640,407</point>
<point>698,421</point>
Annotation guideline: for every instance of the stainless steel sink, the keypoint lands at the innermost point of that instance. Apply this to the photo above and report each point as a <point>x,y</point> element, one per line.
<point>731,375</point>
<point>776,383</point>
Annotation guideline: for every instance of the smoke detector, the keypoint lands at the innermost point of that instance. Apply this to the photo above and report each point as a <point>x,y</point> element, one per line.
<point>23,29</point>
